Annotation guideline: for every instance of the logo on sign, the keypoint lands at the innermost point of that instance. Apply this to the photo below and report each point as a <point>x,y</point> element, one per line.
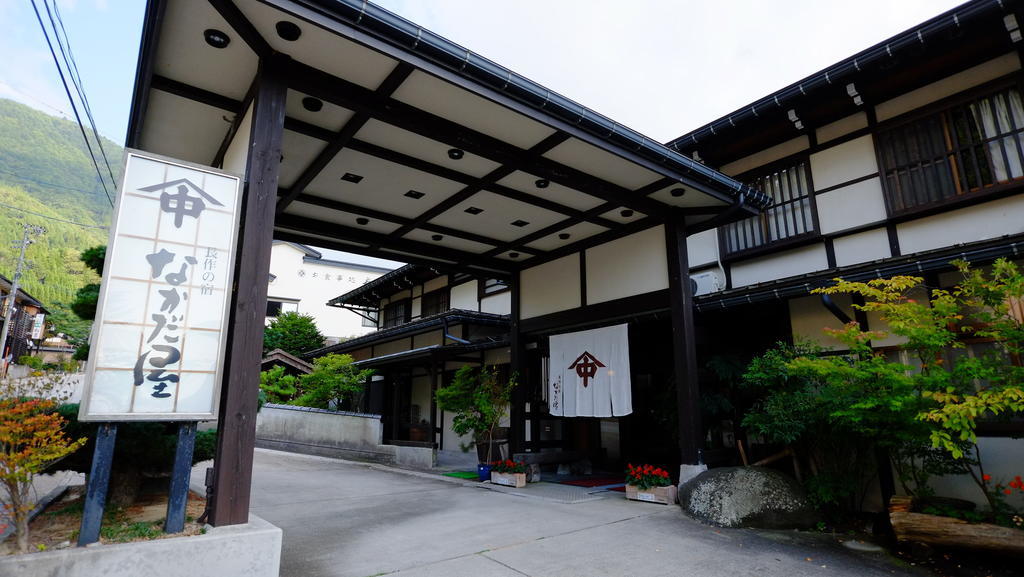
<point>586,366</point>
<point>182,203</point>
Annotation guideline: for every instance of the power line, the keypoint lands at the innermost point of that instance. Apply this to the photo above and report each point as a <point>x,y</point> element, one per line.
<point>76,79</point>
<point>52,217</point>
<point>74,108</point>
<point>44,183</point>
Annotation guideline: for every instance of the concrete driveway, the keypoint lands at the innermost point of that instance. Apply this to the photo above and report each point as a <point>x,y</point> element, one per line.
<point>350,519</point>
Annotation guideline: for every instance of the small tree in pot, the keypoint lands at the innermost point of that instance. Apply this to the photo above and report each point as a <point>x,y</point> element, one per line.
<point>479,398</point>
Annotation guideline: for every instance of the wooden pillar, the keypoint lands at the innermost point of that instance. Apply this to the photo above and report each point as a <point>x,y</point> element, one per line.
<point>517,418</point>
<point>236,428</point>
<point>433,401</point>
<point>684,346</point>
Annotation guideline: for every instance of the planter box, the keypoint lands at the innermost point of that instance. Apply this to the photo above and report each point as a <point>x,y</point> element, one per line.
<point>950,532</point>
<point>516,480</point>
<point>663,495</point>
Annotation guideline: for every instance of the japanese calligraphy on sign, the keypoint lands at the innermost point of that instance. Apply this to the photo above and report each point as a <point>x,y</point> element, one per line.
<point>160,330</point>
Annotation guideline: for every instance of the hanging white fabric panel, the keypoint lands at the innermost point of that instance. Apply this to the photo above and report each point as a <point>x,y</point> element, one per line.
<point>588,374</point>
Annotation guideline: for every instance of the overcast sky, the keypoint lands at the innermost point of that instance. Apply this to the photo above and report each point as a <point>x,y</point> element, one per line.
<point>662,67</point>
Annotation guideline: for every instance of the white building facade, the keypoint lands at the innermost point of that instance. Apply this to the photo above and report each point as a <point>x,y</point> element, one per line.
<point>302,280</point>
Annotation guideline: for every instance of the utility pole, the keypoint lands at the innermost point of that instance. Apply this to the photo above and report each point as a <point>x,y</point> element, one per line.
<point>29,230</point>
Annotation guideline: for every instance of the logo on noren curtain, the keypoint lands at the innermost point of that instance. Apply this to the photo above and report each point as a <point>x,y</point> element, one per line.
<point>586,366</point>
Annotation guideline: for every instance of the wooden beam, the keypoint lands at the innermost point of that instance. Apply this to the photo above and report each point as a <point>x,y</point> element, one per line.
<point>684,349</point>
<point>388,217</point>
<point>236,426</point>
<point>330,229</point>
<point>354,97</point>
<point>218,159</point>
<point>183,90</point>
<point>152,24</point>
<point>341,140</point>
<point>243,27</point>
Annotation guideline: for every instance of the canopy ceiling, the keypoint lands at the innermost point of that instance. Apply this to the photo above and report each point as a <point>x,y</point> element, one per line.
<point>402,145</point>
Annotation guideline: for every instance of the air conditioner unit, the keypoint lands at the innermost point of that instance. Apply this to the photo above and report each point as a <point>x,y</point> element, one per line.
<point>706,282</point>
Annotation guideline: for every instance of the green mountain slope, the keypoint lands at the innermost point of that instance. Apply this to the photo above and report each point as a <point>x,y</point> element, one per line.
<point>45,169</point>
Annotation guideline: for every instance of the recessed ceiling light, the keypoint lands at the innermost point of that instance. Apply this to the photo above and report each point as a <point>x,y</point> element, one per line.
<point>455,153</point>
<point>288,31</point>
<point>437,237</point>
<point>216,38</point>
<point>677,192</point>
<point>541,183</point>
<point>414,194</point>
<point>513,255</point>
<point>564,236</point>
<point>312,104</point>
<point>474,210</point>
<point>363,221</point>
<point>353,178</point>
<point>520,223</point>
<point>626,213</point>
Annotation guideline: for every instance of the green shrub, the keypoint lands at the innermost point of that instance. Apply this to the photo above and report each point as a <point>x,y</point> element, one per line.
<point>335,379</point>
<point>31,362</point>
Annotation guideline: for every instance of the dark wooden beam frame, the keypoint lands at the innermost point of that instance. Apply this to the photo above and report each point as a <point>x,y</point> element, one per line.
<point>344,136</point>
<point>243,27</point>
<point>236,426</point>
<point>330,229</point>
<point>684,349</point>
<point>356,98</point>
<point>152,24</point>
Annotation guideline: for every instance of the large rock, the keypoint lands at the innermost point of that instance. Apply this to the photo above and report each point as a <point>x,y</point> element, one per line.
<point>747,497</point>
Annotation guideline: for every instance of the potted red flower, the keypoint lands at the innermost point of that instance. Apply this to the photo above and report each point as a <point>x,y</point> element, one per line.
<point>649,483</point>
<point>508,472</point>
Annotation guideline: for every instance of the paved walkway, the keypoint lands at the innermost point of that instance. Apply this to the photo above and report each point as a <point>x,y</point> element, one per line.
<point>349,519</point>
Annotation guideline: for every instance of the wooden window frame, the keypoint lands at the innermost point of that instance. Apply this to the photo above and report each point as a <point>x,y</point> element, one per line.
<point>944,108</point>
<point>790,241</point>
<point>387,323</point>
<point>447,300</point>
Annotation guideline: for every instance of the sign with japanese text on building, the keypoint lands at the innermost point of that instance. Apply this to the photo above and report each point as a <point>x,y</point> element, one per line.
<point>38,324</point>
<point>161,322</point>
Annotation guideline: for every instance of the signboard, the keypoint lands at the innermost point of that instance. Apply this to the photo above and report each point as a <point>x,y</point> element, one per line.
<point>588,373</point>
<point>37,326</point>
<point>161,321</point>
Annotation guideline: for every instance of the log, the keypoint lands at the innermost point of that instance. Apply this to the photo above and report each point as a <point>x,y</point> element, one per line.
<point>950,532</point>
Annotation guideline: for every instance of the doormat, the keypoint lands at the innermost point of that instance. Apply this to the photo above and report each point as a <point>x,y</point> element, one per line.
<point>462,474</point>
<point>595,482</point>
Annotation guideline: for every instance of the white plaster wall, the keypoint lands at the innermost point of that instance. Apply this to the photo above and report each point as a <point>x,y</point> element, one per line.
<point>415,308</point>
<point>395,346</point>
<point>464,296</point>
<point>862,247</point>
<point>809,318</point>
<point>842,127</point>
<point>318,284</point>
<point>851,206</point>
<point>702,248</point>
<point>784,264</point>
<point>435,283</point>
<point>948,86</point>
<point>1001,458</point>
<point>497,357</point>
<point>550,287</point>
<point>766,156</point>
<point>453,442</point>
<point>428,339</point>
<point>843,162</point>
<point>632,265</point>
<point>980,222</point>
<point>237,153</point>
<point>499,304</point>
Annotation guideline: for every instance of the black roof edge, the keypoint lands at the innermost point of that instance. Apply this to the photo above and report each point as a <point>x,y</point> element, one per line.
<point>380,281</point>
<point>397,31</point>
<point>936,260</point>
<point>21,290</point>
<point>450,316</point>
<point>841,71</point>
<point>430,350</point>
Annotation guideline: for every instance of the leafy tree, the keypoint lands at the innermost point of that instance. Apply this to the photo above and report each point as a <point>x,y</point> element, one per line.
<point>335,379</point>
<point>278,387</point>
<point>479,399</point>
<point>32,437</point>
<point>293,333</point>
<point>924,413</point>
